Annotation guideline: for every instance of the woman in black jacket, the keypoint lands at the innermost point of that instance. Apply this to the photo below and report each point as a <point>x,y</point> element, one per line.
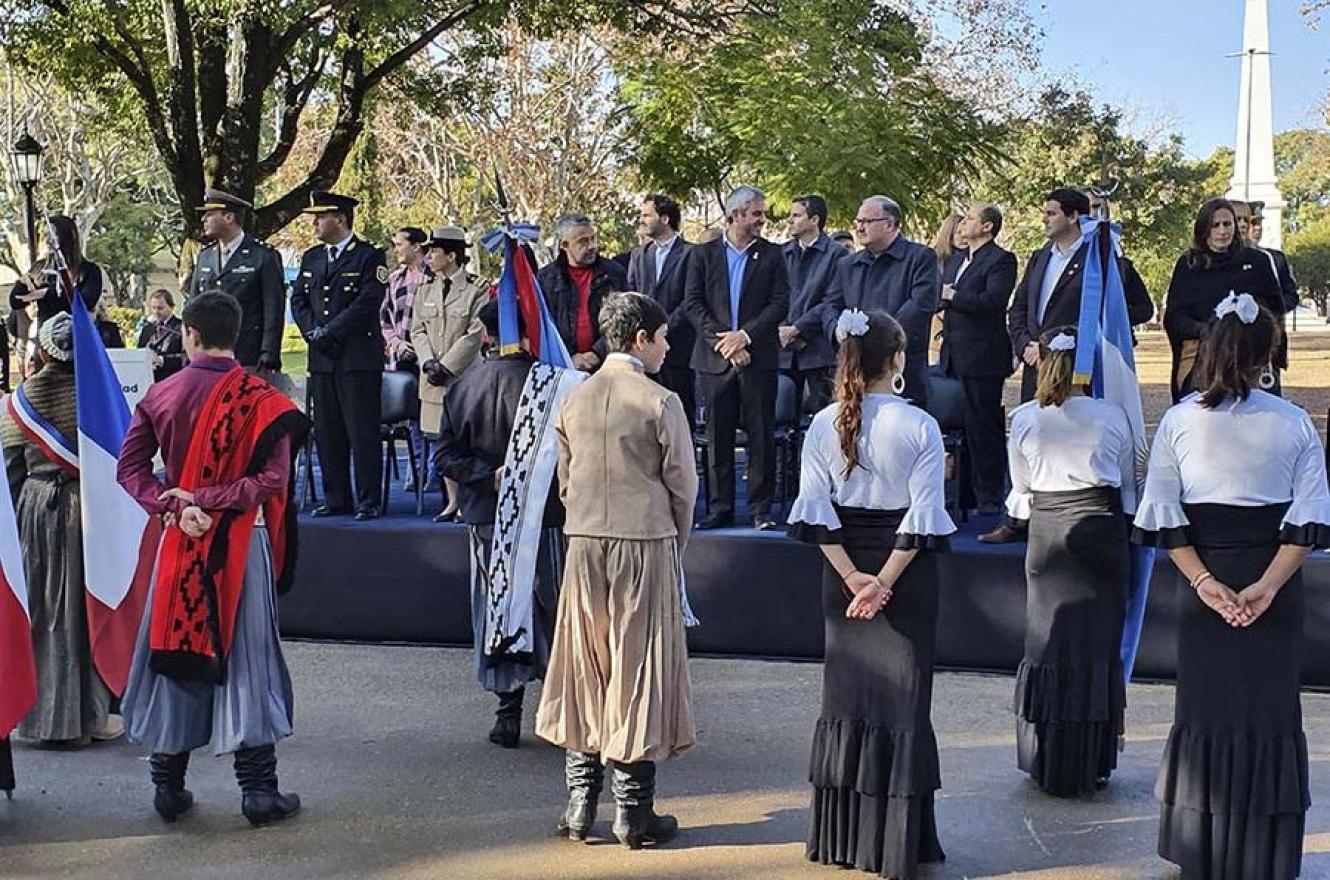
<point>1219,261</point>
<point>40,284</point>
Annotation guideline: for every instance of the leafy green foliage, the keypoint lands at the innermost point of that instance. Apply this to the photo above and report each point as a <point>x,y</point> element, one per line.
<point>1308,252</point>
<point>825,97</point>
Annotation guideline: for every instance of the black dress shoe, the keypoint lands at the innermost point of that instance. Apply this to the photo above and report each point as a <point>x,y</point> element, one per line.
<point>367,512</point>
<point>324,510</point>
<point>445,517</point>
<point>715,521</point>
<point>763,523</point>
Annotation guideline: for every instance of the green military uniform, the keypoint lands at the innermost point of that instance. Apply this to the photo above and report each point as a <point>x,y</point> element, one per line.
<point>253,275</point>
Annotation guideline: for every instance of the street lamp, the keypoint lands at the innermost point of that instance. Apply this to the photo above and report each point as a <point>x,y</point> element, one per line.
<point>25,159</point>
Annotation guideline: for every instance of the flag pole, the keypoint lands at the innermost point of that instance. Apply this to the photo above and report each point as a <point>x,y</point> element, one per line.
<point>1142,559</point>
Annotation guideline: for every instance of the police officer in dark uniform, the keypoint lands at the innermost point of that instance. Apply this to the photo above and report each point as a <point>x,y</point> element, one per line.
<point>250,270</point>
<point>335,300</point>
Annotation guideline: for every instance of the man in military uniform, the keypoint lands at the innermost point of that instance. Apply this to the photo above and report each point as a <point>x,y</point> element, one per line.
<point>335,300</point>
<point>250,270</point>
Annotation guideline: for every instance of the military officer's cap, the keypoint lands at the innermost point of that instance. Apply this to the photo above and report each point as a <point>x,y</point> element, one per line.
<point>442,235</point>
<point>325,202</point>
<point>216,200</point>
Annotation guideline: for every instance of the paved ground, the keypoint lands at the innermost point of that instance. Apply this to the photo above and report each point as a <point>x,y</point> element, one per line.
<point>399,783</point>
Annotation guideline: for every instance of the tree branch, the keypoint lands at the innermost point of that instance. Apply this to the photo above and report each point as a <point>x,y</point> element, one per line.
<point>409,51</point>
<point>294,99</point>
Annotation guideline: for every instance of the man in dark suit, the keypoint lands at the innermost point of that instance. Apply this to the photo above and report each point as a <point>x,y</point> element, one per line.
<point>977,350</point>
<point>811,261</point>
<point>1050,293</point>
<point>1049,296</point>
<point>335,301</point>
<point>736,295</point>
<point>576,284</point>
<point>895,275</point>
<point>248,269</point>
<point>659,270</point>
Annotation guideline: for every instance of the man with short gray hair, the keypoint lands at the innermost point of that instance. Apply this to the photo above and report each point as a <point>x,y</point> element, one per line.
<point>736,294</point>
<point>576,284</point>
<point>895,275</point>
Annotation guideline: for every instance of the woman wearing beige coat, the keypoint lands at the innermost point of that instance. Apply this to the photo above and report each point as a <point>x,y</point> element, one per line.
<point>445,332</point>
<point>617,689</point>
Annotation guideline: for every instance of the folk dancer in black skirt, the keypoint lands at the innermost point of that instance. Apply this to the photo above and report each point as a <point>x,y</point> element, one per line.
<point>870,495</point>
<point>1072,475</point>
<point>1236,491</point>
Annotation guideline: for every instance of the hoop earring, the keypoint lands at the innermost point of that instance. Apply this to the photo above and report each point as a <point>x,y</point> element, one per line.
<point>898,384</point>
<point>1267,378</point>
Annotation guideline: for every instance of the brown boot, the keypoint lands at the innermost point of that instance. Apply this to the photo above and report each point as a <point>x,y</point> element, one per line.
<point>1003,534</point>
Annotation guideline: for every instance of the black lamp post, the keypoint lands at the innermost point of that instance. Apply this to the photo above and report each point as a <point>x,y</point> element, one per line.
<point>25,159</point>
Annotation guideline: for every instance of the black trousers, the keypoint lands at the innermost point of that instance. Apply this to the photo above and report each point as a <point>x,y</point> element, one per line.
<point>748,397</point>
<point>347,410</point>
<point>682,382</point>
<point>986,437</point>
<point>812,387</point>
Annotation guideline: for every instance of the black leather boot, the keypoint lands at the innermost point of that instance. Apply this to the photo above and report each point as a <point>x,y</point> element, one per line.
<point>172,799</point>
<point>507,731</point>
<point>585,776</point>
<point>635,821</point>
<point>261,802</point>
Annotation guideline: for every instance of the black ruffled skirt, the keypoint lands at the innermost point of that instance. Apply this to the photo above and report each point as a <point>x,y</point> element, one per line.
<point>874,765</point>
<point>1233,784</point>
<point>1070,694</point>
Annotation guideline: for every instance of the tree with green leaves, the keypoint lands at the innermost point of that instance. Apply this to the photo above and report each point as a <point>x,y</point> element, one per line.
<point>1308,252</point>
<point>1065,141</point>
<point>221,89</point>
<point>1302,163</point>
<point>835,98</point>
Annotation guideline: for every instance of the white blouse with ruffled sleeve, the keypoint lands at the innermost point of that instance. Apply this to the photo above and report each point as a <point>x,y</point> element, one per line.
<point>1081,444</point>
<point>1244,453</point>
<point>901,467</point>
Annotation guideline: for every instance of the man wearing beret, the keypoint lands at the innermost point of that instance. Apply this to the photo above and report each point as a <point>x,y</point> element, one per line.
<point>250,270</point>
<point>335,301</point>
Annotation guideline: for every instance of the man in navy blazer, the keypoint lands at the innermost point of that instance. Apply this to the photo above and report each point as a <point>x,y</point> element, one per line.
<point>1050,293</point>
<point>811,260</point>
<point>977,350</point>
<point>659,269</point>
<point>893,274</point>
<point>736,296</point>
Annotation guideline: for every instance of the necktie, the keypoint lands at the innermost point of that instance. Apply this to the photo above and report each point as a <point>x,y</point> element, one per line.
<point>332,253</point>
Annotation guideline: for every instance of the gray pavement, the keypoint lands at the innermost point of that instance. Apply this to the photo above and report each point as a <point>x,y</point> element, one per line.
<point>399,782</point>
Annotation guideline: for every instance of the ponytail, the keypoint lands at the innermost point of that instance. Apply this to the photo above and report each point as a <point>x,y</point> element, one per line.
<point>863,359</point>
<point>850,385</point>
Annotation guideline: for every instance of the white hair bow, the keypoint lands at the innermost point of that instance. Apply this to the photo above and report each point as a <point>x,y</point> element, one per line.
<point>1062,342</point>
<point>851,322</point>
<point>1240,304</point>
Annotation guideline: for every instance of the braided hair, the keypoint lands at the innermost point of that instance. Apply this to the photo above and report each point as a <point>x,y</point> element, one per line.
<point>862,360</point>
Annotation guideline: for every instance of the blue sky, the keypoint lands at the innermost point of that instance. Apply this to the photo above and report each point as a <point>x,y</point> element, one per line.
<point>1165,61</point>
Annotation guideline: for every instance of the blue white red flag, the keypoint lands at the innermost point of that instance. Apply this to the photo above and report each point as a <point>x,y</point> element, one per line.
<point>18,675</point>
<point>518,290</point>
<point>118,544</point>
<point>1104,360</point>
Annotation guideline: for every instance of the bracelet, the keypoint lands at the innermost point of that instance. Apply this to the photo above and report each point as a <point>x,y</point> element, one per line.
<point>843,577</point>
<point>1200,579</point>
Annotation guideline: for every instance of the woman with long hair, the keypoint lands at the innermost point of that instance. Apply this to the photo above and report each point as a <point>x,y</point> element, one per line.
<point>1218,262</point>
<point>1236,491</point>
<point>870,495</point>
<point>1072,462</point>
<point>951,253</point>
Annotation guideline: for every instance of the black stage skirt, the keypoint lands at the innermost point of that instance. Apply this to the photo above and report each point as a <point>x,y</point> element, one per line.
<point>1233,784</point>
<point>1070,694</point>
<point>874,764</point>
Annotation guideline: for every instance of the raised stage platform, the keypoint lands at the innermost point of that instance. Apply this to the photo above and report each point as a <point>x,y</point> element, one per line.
<point>405,579</point>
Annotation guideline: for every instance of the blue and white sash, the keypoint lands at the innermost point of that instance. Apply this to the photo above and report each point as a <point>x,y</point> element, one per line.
<point>57,447</point>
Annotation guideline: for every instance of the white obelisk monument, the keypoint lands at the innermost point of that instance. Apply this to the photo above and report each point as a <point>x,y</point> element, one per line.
<point>1254,149</point>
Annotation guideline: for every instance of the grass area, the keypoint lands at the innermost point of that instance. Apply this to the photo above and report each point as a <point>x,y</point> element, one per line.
<point>1306,382</point>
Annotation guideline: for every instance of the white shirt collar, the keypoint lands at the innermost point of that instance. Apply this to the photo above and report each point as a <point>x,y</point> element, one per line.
<point>229,247</point>
<point>664,248</point>
<point>341,245</point>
